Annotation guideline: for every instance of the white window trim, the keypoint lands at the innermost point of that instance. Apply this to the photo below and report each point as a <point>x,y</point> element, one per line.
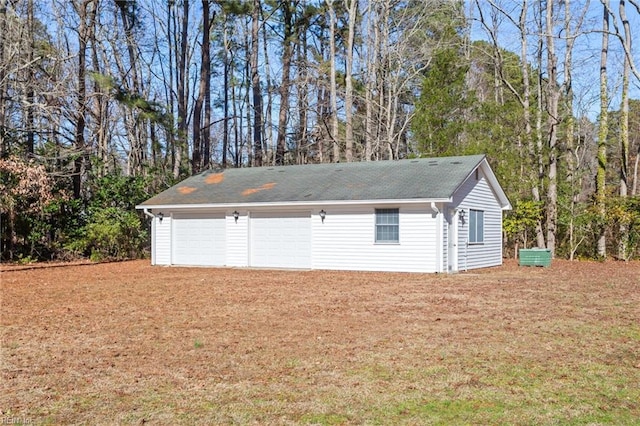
<point>375,227</point>
<point>476,242</point>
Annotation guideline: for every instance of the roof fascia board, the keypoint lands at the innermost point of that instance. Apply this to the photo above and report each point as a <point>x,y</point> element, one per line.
<point>295,203</point>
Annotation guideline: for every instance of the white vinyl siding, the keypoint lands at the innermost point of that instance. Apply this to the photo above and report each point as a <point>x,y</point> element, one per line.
<point>346,240</point>
<point>476,194</point>
<point>445,243</point>
<point>238,239</point>
<point>162,241</point>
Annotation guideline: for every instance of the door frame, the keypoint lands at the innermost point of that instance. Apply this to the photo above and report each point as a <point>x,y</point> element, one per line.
<point>274,215</point>
<point>453,243</point>
<point>177,217</point>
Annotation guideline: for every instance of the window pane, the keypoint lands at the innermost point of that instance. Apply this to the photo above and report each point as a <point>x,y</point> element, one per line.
<point>387,216</point>
<point>387,225</point>
<point>476,226</point>
<point>387,233</point>
<point>472,226</point>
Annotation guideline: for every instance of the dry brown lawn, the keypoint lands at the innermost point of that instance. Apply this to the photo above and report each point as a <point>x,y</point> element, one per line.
<point>128,343</point>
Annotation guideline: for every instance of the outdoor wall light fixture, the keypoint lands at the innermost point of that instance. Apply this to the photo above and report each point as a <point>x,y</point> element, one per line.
<point>160,216</point>
<point>461,215</point>
<point>236,215</point>
<point>323,214</point>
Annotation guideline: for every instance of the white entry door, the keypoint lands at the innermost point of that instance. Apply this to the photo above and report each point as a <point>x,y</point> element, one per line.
<point>281,240</point>
<point>452,238</point>
<point>198,239</point>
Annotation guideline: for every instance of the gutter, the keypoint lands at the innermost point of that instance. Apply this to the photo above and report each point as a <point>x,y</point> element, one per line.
<point>293,204</point>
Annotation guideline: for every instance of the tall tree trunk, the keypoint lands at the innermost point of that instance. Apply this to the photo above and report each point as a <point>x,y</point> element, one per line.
<point>384,69</point>
<point>624,109</point>
<point>322,125</point>
<point>255,85</point>
<point>4,86</point>
<point>636,164</point>
<point>206,133</point>
<point>182,95</point>
<point>570,123</point>
<point>553,119</point>
<point>136,126</point>
<point>30,93</point>
<point>100,113</point>
<point>248,94</point>
<point>333,84</point>
<point>601,174</point>
<point>538,187</point>
<point>3,80</point>
<point>86,15</point>
<point>172,50</point>
<point>287,53</point>
<point>235,117</point>
<point>373,32</point>
<point>352,7</point>
<point>526,83</point>
<point>267,131</point>
<point>225,104</point>
<point>205,66</point>
<point>303,98</point>
<point>624,129</point>
<point>128,110</point>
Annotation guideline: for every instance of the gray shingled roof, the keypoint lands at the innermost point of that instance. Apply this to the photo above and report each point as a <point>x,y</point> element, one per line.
<point>424,178</point>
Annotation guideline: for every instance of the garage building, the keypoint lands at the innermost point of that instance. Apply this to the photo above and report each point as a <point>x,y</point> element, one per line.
<point>415,215</point>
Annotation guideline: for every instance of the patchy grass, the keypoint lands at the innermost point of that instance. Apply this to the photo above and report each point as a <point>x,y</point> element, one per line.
<point>129,343</point>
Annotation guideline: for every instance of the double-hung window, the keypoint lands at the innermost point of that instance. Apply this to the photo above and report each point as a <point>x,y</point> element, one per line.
<point>476,227</point>
<point>387,225</point>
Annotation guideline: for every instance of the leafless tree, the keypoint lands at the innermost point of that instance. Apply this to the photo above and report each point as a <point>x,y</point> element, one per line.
<point>255,84</point>
<point>601,176</point>
<point>201,141</point>
<point>288,16</point>
<point>86,12</point>
<point>352,8</point>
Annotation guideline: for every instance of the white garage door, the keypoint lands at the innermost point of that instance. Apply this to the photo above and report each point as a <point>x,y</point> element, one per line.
<point>281,240</point>
<point>198,239</point>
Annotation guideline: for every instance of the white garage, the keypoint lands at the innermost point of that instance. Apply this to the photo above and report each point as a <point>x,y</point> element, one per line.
<point>281,240</point>
<point>199,239</point>
<point>414,215</point>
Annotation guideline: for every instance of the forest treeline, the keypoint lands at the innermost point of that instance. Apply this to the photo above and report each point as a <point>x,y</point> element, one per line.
<point>107,102</point>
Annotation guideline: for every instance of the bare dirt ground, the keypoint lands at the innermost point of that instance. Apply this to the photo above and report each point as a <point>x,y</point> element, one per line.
<point>128,343</point>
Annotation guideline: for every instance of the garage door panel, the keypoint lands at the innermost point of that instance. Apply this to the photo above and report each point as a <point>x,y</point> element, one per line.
<point>281,240</point>
<point>199,239</point>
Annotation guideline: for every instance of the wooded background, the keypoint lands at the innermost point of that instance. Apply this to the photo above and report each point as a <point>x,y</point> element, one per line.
<point>106,102</point>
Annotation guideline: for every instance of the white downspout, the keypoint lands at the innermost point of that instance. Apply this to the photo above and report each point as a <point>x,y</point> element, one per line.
<point>439,238</point>
<point>148,213</point>
<point>153,234</point>
<point>434,207</point>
